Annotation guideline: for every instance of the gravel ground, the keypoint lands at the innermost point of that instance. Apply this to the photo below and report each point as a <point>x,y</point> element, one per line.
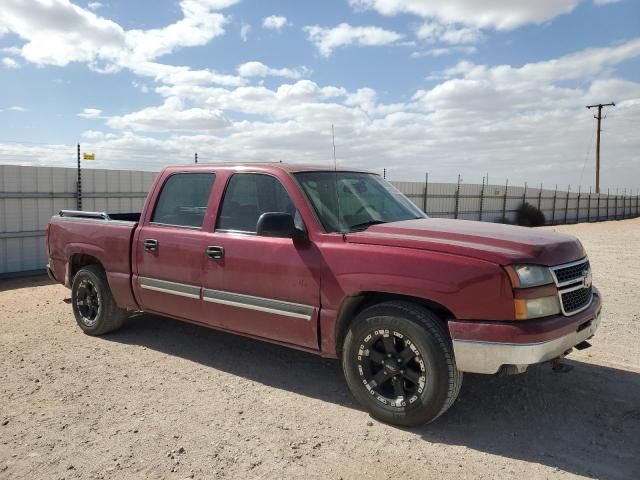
<point>163,399</point>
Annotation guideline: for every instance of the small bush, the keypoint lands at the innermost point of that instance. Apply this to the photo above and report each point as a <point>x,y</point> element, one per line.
<point>529,216</point>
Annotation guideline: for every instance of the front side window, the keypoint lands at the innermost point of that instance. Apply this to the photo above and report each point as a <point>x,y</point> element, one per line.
<point>352,201</point>
<point>248,196</point>
<point>183,200</point>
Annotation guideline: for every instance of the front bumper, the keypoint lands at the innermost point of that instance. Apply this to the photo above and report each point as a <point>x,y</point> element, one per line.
<point>485,347</point>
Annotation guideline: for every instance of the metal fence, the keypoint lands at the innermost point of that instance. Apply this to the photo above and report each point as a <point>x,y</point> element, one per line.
<point>29,196</point>
<point>491,203</point>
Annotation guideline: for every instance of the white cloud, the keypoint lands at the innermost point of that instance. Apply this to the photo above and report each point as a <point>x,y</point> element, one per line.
<point>175,75</point>
<point>259,69</point>
<point>17,108</point>
<point>58,32</point>
<point>274,22</point>
<point>140,86</point>
<point>199,26</point>
<point>94,5</point>
<point>171,116</point>
<point>528,122</point>
<point>604,2</point>
<point>90,113</point>
<point>97,135</point>
<point>10,63</point>
<point>434,31</point>
<point>498,14</point>
<point>439,52</point>
<point>245,28</point>
<point>11,50</point>
<point>328,39</point>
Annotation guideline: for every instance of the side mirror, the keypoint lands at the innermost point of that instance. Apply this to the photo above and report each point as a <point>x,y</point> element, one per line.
<point>279,224</point>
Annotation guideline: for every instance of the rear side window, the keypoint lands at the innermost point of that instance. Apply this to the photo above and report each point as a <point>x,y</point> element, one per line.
<point>248,196</point>
<point>183,199</point>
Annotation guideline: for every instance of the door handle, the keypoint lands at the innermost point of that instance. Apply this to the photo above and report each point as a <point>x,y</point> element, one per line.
<point>215,252</point>
<point>150,244</point>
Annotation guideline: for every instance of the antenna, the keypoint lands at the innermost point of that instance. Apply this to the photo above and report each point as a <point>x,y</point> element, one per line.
<point>335,177</point>
<point>333,140</point>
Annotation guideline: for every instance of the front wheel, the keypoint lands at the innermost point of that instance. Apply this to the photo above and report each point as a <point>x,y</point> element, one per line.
<point>399,363</point>
<point>95,309</point>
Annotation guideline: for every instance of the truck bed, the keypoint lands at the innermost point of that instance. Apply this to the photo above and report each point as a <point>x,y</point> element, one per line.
<point>107,238</point>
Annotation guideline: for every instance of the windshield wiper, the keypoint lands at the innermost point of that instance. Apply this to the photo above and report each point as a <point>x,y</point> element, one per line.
<point>365,225</point>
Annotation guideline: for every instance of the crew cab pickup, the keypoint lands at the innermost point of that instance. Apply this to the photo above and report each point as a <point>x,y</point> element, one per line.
<point>338,263</point>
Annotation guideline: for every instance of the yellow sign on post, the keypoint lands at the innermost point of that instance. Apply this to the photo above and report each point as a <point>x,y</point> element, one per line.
<point>89,156</point>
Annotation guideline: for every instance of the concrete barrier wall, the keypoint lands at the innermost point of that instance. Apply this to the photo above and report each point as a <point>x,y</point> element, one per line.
<point>29,196</point>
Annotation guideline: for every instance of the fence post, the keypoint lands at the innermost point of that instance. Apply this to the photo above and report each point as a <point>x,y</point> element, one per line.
<point>504,201</point>
<point>457,197</point>
<point>624,204</point>
<point>79,184</point>
<point>637,204</point>
<point>524,195</point>
<point>615,207</point>
<point>481,199</point>
<point>607,204</point>
<point>566,204</point>
<point>589,206</point>
<point>553,210</point>
<point>578,205</point>
<point>426,191</point>
<point>540,196</point>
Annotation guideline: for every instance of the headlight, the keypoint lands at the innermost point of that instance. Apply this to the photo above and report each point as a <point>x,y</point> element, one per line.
<point>525,276</point>
<point>537,307</point>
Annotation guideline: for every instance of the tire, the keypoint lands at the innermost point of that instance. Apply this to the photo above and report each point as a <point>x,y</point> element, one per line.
<point>419,382</point>
<point>93,305</point>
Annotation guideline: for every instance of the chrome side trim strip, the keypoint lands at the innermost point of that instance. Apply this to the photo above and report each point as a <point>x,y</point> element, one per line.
<point>277,307</point>
<point>173,288</point>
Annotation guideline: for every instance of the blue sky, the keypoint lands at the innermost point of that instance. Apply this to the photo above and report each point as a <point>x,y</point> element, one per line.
<point>411,85</point>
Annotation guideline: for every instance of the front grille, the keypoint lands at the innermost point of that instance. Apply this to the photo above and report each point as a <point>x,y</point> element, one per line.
<point>574,285</point>
<point>571,273</point>
<point>576,300</point>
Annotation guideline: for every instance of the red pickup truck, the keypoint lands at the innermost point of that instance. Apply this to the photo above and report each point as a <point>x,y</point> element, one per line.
<point>338,263</point>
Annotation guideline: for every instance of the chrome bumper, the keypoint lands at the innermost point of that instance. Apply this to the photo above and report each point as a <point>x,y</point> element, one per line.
<point>488,357</point>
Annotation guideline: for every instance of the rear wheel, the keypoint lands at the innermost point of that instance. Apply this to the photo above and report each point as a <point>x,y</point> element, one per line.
<point>93,305</point>
<point>399,363</point>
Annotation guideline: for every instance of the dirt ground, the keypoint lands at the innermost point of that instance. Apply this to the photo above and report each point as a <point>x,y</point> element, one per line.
<point>163,399</point>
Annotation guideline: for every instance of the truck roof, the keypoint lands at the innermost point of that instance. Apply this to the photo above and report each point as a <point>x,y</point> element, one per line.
<point>265,166</point>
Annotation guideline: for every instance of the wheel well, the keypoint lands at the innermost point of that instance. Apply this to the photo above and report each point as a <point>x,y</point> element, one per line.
<point>353,305</point>
<point>80,260</point>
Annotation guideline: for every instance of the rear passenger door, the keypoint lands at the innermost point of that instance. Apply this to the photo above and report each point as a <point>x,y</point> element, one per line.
<point>169,249</point>
<point>265,287</point>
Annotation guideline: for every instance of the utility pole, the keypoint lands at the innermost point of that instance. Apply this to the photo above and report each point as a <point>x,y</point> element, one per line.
<point>599,118</point>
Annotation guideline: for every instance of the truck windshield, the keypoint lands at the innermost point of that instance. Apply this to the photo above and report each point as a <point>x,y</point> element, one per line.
<point>353,201</point>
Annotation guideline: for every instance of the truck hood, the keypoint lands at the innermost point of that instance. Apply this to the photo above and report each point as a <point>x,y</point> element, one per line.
<point>501,244</point>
